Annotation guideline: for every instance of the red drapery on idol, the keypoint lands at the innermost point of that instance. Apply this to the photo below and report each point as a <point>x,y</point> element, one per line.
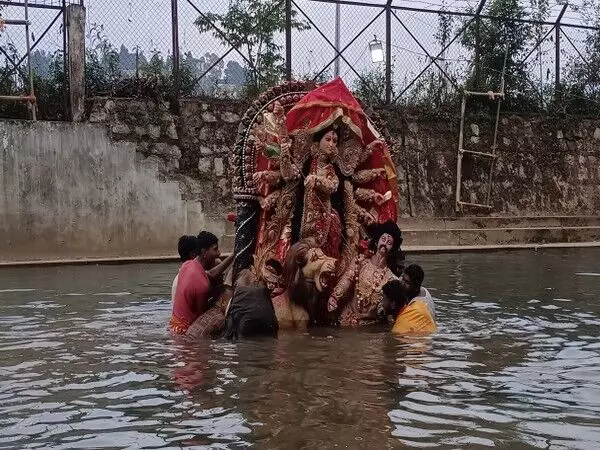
<point>333,102</point>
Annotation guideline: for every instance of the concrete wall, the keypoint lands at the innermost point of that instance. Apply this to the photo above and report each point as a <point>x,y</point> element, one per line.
<point>68,191</point>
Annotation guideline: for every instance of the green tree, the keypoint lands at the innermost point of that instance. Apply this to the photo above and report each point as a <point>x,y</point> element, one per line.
<point>50,88</point>
<point>252,25</point>
<point>581,89</point>
<point>209,83</point>
<point>442,36</point>
<point>156,77</point>
<point>102,70</point>
<point>496,37</point>
<point>370,86</point>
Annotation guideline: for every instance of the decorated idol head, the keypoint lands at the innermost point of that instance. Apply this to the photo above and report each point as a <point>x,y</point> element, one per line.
<point>386,238</point>
<point>326,142</point>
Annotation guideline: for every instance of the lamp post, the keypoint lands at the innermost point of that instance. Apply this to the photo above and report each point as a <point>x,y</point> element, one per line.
<point>376,47</point>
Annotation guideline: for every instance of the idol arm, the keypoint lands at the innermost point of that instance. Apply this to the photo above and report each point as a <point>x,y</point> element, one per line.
<point>368,175</point>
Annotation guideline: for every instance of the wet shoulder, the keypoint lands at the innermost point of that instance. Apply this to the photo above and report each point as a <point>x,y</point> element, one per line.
<point>192,269</point>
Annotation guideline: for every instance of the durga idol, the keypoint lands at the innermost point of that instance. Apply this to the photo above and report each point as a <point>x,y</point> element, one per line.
<point>309,164</point>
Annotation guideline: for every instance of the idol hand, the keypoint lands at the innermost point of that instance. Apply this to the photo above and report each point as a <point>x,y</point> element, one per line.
<point>332,304</point>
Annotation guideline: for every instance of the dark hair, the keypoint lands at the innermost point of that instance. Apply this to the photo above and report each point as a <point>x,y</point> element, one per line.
<point>187,247</point>
<point>395,261</point>
<point>395,293</point>
<point>390,227</point>
<point>416,274</point>
<point>206,240</point>
<point>319,134</point>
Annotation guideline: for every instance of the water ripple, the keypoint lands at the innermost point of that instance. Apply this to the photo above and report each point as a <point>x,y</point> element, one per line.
<point>516,363</point>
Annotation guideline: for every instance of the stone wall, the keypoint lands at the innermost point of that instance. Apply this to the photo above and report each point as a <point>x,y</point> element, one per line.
<point>545,166</point>
<point>137,176</point>
<point>191,148</point>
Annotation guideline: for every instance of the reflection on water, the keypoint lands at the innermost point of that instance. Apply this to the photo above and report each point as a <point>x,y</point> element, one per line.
<point>86,361</point>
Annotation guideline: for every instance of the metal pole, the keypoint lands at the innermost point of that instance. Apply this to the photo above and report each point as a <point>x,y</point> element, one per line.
<point>336,65</point>
<point>478,45</point>
<point>31,90</point>
<point>477,53</point>
<point>557,67</point>
<point>67,110</point>
<point>288,40</point>
<point>388,52</point>
<point>341,52</point>
<point>137,63</point>
<point>175,36</point>
<point>557,88</point>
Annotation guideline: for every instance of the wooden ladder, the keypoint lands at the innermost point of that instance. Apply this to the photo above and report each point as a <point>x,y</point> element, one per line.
<point>492,155</point>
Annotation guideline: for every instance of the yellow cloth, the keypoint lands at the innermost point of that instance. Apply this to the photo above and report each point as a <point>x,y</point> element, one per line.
<point>416,317</point>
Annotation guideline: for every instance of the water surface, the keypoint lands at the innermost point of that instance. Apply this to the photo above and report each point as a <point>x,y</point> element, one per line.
<point>85,361</point>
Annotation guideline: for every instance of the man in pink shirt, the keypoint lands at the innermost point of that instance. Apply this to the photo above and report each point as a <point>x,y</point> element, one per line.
<point>187,246</point>
<point>196,279</point>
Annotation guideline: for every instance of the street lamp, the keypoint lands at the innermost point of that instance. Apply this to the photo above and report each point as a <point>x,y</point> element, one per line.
<point>376,48</point>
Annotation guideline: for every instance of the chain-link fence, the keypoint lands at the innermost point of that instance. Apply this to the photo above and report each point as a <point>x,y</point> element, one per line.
<point>412,53</point>
<point>33,33</point>
<point>128,47</point>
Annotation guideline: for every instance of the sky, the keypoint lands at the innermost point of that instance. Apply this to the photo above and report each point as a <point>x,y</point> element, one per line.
<point>147,24</point>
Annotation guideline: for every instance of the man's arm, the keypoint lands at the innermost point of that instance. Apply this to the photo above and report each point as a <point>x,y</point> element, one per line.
<point>218,270</point>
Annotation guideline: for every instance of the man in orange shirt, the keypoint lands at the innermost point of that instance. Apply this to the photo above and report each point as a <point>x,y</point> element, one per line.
<point>195,282</point>
<point>413,314</point>
<point>412,279</point>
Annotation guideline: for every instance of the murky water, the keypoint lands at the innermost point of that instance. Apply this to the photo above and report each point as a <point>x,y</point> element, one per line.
<point>85,361</point>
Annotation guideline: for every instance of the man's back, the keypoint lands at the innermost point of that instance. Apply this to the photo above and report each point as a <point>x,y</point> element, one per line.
<point>191,294</point>
<point>416,317</point>
<point>174,288</point>
<point>424,294</point>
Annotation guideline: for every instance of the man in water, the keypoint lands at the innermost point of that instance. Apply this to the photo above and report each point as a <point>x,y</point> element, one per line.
<point>394,298</point>
<point>195,282</point>
<point>412,280</point>
<point>366,277</point>
<point>412,303</point>
<point>250,312</point>
<point>188,249</point>
<point>396,262</point>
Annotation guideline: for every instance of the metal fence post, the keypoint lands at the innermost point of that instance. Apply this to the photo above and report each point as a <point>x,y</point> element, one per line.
<point>388,52</point>
<point>65,86</point>
<point>175,36</point>
<point>478,45</point>
<point>557,88</point>
<point>288,40</point>
<point>336,64</point>
<point>29,67</point>
<point>557,66</point>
